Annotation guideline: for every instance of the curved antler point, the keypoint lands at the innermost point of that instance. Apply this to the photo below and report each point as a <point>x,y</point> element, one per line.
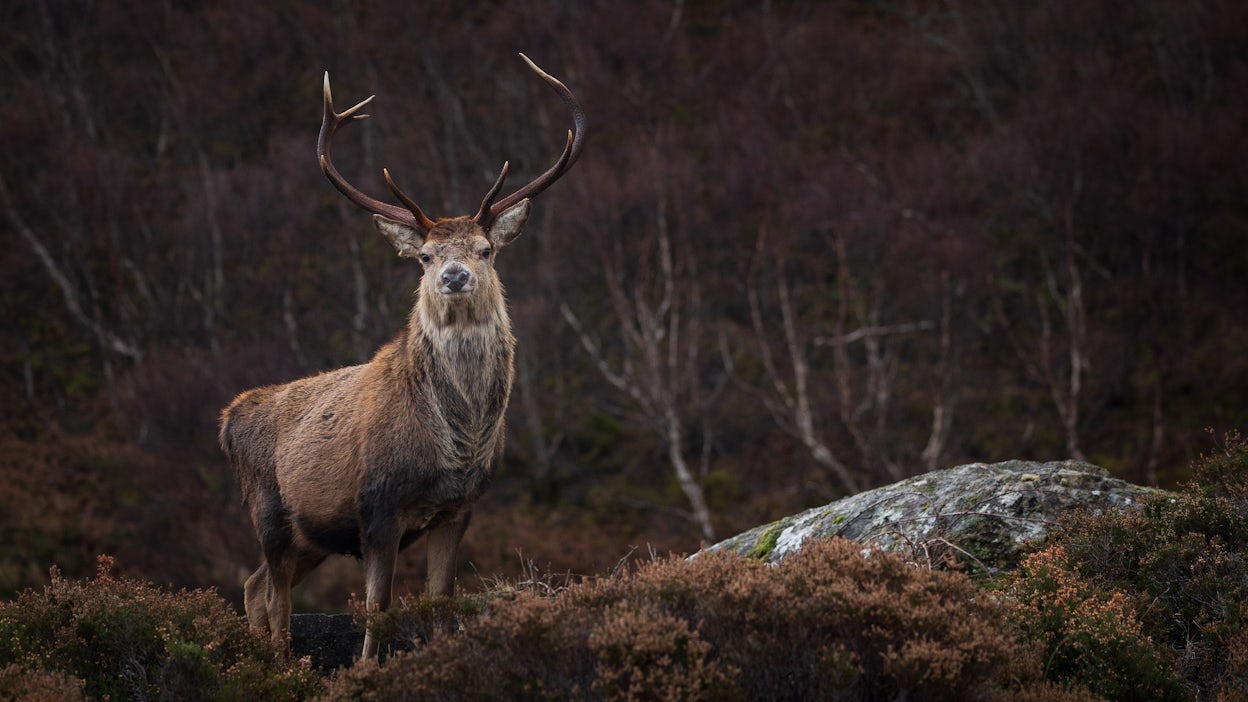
<point>537,69</point>
<point>570,152</point>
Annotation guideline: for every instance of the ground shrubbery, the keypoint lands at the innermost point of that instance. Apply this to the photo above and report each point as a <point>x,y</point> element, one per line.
<point>1088,634</point>
<point>825,624</point>
<point>122,639</point>
<point>1142,604</point>
<point>1153,602</point>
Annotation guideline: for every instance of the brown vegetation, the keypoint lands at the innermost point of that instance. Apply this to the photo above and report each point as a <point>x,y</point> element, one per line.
<point>826,624</point>
<point>118,638</point>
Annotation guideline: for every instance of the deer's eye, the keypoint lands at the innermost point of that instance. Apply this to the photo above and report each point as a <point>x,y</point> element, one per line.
<point>485,253</point>
<point>425,258</point>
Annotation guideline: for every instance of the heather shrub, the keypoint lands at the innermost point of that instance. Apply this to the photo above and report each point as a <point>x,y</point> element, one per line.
<point>1046,691</point>
<point>831,624</point>
<point>125,639</point>
<point>641,649</point>
<point>1089,635</point>
<point>525,647</point>
<point>19,683</point>
<point>910,629</point>
<point>1173,572</point>
<point>1236,672</point>
<point>414,620</point>
<point>826,624</point>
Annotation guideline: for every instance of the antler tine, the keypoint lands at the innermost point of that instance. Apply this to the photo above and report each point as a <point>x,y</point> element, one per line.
<point>331,122</point>
<point>572,151</point>
<point>342,116</point>
<point>408,202</point>
<point>484,216</point>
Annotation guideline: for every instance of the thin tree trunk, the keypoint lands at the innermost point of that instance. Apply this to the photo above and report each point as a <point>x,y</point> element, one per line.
<point>107,338</point>
<point>688,483</point>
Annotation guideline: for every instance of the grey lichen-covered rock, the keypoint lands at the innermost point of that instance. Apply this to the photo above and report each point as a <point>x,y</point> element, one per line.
<point>981,514</point>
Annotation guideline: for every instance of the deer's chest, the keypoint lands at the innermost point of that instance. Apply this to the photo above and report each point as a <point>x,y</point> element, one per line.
<point>470,382</point>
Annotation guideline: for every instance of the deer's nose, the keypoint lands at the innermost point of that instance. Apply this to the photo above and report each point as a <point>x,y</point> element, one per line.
<point>455,277</point>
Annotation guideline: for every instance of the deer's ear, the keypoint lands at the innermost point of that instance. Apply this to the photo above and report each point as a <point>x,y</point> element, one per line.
<point>506,227</point>
<point>405,238</point>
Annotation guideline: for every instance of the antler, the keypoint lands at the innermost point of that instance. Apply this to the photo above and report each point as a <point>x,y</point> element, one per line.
<point>576,141</point>
<point>331,122</point>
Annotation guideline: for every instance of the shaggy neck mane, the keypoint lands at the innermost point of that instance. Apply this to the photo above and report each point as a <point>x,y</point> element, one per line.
<point>472,342</point>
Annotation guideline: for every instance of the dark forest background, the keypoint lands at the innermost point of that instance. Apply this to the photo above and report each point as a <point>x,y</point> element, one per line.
<point>810,248</point>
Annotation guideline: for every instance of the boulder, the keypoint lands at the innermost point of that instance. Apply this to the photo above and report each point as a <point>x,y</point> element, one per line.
<point>331,641</point>
<point>979,514</point>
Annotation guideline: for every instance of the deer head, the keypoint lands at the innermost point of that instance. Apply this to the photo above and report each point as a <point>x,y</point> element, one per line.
<point>457,253</point>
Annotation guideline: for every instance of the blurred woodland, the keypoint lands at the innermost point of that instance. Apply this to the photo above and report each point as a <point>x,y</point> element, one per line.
<point>810,248</point>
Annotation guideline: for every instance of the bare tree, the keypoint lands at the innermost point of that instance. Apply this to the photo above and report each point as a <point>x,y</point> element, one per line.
<point>789,396</point>
<point>947,385</point>
<point>655,361</point>
<point>70,291</point>
<point>1055,355</point>
<point>861,372</point>
<point>61,236</point>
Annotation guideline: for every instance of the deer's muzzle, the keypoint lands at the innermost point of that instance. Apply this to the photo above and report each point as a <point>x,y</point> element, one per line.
<point>455,278</point>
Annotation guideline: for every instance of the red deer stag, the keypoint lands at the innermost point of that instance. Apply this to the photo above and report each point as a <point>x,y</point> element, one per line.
<point>365,459</point>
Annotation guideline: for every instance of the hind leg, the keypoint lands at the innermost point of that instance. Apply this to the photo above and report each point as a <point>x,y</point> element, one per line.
<point>281,577</point>
<point>306,562</point>
<point>273,594</point>
<point>276,533</point>
<point>256,599</point>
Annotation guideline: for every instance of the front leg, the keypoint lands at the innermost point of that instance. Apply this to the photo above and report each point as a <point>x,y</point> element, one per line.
<point>443,545</point>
